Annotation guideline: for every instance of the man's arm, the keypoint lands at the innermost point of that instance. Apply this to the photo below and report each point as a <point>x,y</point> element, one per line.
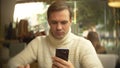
<point>25,57</point>
<point>26,66</point>
<point>89,58</point>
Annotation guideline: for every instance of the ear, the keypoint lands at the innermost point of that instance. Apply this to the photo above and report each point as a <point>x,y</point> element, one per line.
<point>48,21</point>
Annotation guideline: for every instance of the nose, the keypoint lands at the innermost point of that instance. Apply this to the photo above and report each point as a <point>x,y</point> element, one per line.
<point>59,26</point>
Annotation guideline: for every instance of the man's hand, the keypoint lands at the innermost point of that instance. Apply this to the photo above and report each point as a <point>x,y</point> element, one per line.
<point>60,63</point>
<point>26,66</point>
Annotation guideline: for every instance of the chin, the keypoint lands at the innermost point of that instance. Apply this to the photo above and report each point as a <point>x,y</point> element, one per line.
<point>59,37</point>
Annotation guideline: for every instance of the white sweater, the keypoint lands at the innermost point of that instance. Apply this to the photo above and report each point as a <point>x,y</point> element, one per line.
<point>81,52</point>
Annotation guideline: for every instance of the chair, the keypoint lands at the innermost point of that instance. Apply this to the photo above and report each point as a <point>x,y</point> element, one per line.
<point>7,53</point>
<point>15,48</point>
<point>108,60</point>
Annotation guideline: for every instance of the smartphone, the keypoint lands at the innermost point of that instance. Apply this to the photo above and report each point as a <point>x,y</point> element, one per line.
<point>62,53</point>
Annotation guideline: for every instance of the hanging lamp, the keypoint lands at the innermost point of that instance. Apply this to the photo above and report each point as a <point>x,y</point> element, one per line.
<point>114,3</point>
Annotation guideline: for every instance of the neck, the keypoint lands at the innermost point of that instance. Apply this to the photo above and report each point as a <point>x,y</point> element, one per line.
<point>59,42</point>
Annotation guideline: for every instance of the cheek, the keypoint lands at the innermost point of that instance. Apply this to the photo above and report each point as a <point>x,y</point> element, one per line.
<point>68,25</point>
<point>52,27</point>
<point>66,28</point>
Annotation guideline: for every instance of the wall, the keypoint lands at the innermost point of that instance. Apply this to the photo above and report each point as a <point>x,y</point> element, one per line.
<point>6,13</point>
<point>0,18</point>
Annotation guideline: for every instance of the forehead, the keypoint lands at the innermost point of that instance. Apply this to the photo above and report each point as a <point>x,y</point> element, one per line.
<point>60,14</point>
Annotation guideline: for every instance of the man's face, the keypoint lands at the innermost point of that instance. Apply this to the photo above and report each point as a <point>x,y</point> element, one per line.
<point>59,22</point>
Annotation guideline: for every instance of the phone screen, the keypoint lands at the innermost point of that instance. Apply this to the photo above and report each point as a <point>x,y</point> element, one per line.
<point>62,53</point>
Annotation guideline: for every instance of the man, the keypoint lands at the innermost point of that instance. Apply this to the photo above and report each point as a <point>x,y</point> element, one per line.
<point>81,52</point>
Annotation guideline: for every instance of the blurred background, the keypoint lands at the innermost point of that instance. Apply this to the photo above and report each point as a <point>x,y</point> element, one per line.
<point>23,20</point>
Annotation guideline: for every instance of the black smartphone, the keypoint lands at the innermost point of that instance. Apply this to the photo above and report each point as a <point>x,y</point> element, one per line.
<point>62,53</point>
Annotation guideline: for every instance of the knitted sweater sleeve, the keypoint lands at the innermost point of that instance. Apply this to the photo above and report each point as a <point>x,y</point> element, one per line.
<point>28,55</point>
<point>88,57</point>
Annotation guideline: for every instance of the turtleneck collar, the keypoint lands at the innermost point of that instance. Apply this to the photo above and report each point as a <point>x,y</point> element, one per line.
<point>59,42</point>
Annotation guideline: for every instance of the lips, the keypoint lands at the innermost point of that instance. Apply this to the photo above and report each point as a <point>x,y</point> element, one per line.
<point>59,33</point>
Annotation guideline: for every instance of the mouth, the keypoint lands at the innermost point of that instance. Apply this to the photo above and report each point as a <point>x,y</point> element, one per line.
<point>59,33</point>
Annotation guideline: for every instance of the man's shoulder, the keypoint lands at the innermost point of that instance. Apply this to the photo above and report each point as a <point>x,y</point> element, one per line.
<point>81,40</point>
<point>38,38</point>
<point>79,37</point>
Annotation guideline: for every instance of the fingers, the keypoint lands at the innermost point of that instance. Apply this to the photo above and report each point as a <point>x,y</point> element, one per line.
<point>54,66</point>
<point>60,63</point>
<point>57,63</point>
<point>59,60</point>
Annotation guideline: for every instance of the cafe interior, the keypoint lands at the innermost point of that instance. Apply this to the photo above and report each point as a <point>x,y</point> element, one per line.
<point>23,20</point>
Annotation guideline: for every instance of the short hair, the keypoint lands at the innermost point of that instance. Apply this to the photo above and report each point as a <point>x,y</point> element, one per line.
<point>58,6</point>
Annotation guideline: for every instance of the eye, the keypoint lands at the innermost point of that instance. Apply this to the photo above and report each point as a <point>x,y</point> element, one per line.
<point>53,22</point>
<point>64,22</point>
